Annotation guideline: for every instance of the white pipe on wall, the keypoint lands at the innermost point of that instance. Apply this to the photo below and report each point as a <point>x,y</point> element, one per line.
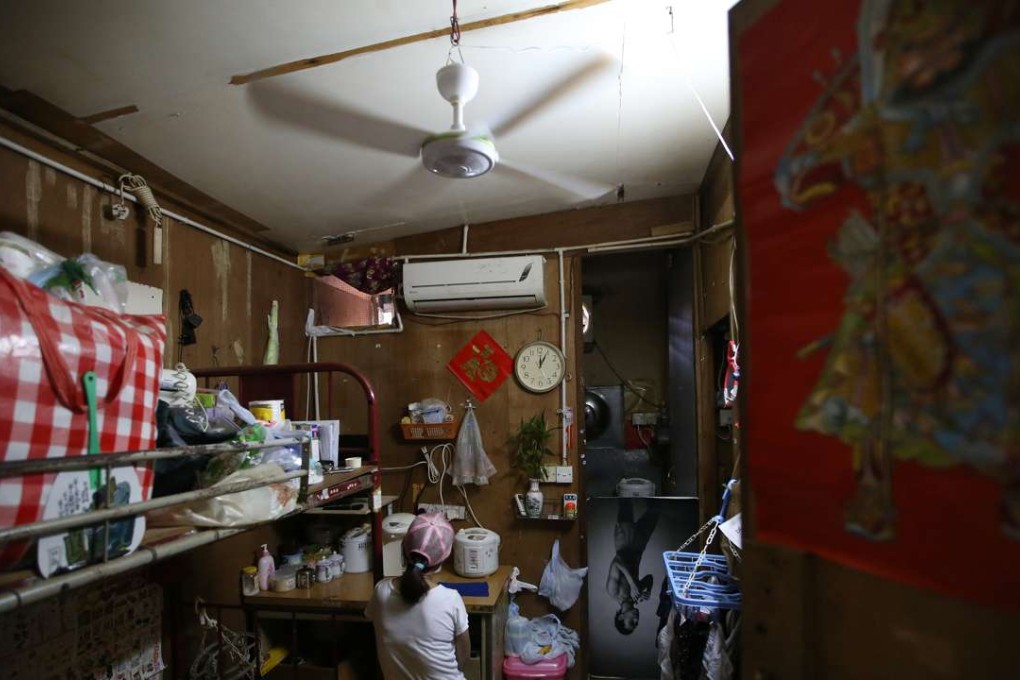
<point>563,349</point>
<point>24,151</point>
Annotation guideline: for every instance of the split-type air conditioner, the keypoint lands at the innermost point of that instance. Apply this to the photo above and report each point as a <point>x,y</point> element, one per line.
<point>491,283</point>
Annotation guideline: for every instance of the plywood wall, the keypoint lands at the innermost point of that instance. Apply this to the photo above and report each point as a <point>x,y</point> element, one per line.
<point>413,365</point>
<point>232,287</point>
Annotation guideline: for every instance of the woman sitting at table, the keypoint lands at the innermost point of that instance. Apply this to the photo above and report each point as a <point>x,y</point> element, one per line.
<point>421,627</point>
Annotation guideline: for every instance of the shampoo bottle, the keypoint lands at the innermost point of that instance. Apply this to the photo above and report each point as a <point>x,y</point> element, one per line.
<point>267,568</point>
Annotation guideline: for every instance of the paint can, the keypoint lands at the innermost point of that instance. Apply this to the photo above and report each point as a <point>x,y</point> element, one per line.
<point>268,410</point>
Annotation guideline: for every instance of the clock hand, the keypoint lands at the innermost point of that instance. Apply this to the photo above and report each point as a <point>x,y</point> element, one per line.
<point>541,360</point>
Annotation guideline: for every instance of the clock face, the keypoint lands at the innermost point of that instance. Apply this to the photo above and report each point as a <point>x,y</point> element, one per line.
<point>539,367</point>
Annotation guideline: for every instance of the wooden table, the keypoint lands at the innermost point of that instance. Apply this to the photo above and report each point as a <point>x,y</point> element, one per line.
<point>345,599</point>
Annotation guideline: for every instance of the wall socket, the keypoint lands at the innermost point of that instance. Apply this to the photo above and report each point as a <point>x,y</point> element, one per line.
<point>558,474</point>
<point>644,418</point>
<point>452,511</point>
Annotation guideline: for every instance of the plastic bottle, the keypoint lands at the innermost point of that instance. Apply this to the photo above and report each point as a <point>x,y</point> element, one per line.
<point>267,568</point>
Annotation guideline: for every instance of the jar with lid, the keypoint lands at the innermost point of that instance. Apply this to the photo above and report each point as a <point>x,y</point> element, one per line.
<point>323,571</point>
<point>250,581</point>
<point>305,577</point>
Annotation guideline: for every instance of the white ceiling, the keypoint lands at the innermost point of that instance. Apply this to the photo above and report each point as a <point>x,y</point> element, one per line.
<point>290,153</point>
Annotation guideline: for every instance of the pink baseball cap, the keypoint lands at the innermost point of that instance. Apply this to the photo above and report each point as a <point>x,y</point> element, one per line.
<point>430,537</point>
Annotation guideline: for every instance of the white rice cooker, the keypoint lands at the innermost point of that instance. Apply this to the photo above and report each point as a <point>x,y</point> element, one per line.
<point>635,487</point>
<point>475,552</point>
<point>356,548</point>
<point>394,528</point>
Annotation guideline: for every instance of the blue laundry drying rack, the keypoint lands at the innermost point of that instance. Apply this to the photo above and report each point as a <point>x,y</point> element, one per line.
<point>697,579</point>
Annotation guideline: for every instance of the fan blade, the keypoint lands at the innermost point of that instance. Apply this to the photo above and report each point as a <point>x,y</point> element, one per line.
<point>307,111</point>
<point>550,95</point>
<point>412,192</point>
<point>586,189</point>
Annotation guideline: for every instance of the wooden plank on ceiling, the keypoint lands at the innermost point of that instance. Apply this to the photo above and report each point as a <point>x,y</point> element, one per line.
<point>304,64</point>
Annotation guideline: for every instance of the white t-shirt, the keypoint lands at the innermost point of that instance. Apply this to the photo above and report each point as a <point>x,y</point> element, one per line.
<point>416,641</point>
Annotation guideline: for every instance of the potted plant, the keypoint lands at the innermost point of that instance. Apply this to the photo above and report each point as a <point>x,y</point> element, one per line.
<point>531,445</point>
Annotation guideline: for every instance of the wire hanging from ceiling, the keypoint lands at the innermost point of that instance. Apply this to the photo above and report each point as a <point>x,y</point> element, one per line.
<point>454,36</point>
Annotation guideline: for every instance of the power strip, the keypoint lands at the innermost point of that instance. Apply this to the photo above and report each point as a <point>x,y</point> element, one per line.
<point>452,511</point>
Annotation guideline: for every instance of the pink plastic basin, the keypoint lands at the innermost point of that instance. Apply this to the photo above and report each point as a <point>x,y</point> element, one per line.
<point>514,668</point>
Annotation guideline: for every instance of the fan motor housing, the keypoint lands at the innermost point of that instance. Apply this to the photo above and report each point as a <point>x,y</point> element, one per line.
<point>459,156</point>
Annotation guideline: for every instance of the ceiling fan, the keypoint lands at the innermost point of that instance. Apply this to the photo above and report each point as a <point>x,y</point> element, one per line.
<point>462,152</point>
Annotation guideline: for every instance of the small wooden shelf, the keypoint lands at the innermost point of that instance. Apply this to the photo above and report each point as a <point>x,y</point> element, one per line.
<point>339,484</point>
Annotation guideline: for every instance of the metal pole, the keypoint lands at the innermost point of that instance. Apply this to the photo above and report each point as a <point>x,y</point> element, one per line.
<point>41,589</point>
<point>27,467</point>
<point>52,526</point>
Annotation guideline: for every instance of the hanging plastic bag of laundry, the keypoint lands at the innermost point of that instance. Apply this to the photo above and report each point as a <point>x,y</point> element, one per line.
<point>470,464</point>
<point>560,583</point>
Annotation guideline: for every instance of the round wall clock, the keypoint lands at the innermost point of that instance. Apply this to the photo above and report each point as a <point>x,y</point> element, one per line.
<point>540,366</point>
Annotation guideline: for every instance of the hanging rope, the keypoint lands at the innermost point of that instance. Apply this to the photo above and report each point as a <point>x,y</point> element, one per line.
<point>137,185</point>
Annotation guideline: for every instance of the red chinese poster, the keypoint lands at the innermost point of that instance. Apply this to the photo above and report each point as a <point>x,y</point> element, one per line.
<point>482,365</point>
<point>878,189</point>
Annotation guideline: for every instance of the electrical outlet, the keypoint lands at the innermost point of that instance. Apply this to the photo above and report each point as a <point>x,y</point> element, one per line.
<point>452,511</point>
<point>564,474</point>
<point>644,418</point>
<point>559,474</point>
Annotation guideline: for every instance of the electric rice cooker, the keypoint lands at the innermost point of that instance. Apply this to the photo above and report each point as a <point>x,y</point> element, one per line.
<point>356,548</point>
<point>475,552</point>
<point>394,528</point>
<point>635,487</point>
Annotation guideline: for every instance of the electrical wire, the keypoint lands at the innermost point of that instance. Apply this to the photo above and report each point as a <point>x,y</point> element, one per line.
<point>623,380</point>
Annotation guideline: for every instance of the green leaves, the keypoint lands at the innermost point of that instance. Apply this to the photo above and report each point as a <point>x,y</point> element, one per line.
<point>531,444</point>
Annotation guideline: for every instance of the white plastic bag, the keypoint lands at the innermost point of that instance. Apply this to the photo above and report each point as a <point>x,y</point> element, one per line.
<point>470,463</point>
<point>517,631</point>
<point>236,509</point>
<point>560,583</point>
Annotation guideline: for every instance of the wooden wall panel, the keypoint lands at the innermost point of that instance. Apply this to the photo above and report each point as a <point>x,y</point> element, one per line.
<point>232,287</point>
<point>412,365</point>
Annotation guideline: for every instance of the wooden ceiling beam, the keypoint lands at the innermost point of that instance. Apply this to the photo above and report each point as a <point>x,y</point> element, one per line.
<point>304,64</point>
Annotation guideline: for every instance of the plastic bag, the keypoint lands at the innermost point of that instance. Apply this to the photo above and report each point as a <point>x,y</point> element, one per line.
<point>517,631</point>
<point>548,639</point>
<point>560,583</point>
<point>236,509</point>
<point>23,257</point>
<point>470,463</point>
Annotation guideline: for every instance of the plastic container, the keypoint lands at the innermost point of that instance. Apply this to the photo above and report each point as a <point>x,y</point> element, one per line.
<point>266,568</point>
<point>357,549</point>
<point>285,579</point>
<point>250,581</point>
<point>514,668</point>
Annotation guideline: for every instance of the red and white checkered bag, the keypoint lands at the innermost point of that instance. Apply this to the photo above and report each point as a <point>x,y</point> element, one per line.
<point>46,346</point>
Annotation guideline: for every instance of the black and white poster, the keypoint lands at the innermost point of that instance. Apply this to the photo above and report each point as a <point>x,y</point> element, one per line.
<point>626,602</point>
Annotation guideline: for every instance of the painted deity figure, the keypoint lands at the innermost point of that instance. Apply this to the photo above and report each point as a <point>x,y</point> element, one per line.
<point>925,363</point>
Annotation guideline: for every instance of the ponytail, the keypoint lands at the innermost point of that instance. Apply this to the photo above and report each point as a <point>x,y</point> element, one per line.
<point>413,585</point>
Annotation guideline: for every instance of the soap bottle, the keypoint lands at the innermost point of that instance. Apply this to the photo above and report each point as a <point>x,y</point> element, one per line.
<point>267,568</point>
